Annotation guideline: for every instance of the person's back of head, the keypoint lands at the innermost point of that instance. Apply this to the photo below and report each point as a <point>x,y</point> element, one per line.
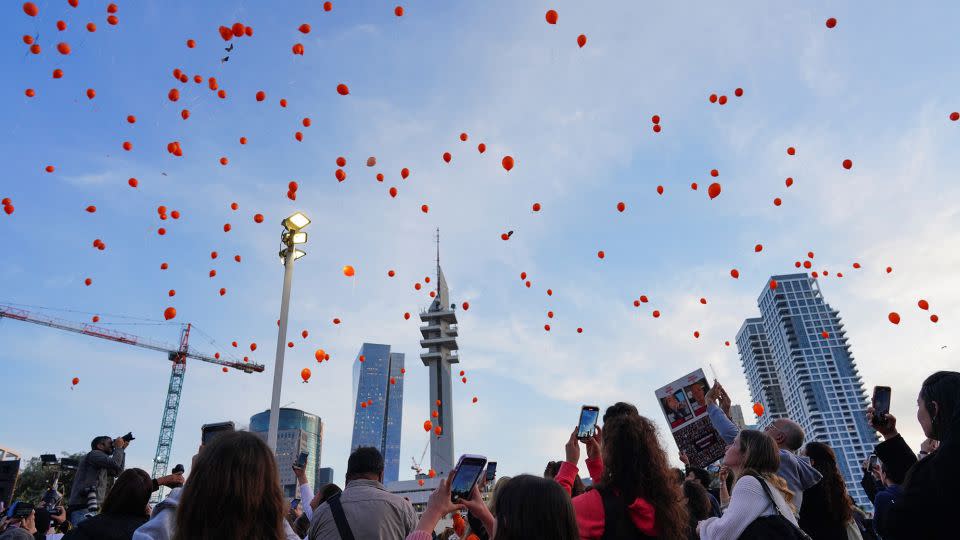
<point>130,494</point>
<point>698,501</point>
<point>940,395</point>
<point>789,434</point>
<point>233,492</point>
<point>327,491</point>
<point>824,460</point>
<point>701,475</point>
<point>497,488</point>
<point>892,476</point>
<point>635,465</point>
<point>551,470</point>
<point>529,507</point>
<point>365,463</point>
<point>620,409</point>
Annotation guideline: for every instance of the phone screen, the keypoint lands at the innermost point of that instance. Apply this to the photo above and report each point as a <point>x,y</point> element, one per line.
<point>881,403</point>
<point>211,431</point>
<point>302,460</point>
<point>874,460</point>
<point>491,470</point>
<point>466,476</point>
<point>294,503</point>
<point>588,421</point>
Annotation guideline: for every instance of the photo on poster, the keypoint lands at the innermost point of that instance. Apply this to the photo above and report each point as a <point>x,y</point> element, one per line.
<point>684,405</point>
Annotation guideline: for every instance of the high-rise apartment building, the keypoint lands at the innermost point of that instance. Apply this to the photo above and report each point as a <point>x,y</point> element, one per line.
<point>299,431</point>
<point>378,404</point>
<point>736,416</point>
<point>798,365</point>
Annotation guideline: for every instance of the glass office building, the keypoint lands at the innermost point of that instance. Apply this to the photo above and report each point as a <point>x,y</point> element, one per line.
<point>378,404</point>
<point>798,364</point>
<point>299,431</point>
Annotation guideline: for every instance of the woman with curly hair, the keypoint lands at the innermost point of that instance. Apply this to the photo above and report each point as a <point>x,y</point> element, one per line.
<point>636,494</point>
<point>759,495</point>
<point>826,508</point>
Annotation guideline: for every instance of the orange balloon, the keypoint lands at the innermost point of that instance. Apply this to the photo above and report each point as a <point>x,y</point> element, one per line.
<point>349,271</point>
<point>438,430</point>
<point>427,425</point>
<point>169,313</point>
<point>76,380</point>
<point>758,409</point>
<point>30,9</point>
<point>305,374</point>
<point>342,89</point>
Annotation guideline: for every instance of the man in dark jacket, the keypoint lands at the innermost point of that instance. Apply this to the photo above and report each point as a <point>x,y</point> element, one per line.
<point>106,458</point>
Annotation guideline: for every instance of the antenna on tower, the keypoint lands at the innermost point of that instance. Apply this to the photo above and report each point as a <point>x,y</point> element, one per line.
<point>438,260</point>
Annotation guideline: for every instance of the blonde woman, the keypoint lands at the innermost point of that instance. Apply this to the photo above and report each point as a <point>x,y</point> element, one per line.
<point>760,505</point>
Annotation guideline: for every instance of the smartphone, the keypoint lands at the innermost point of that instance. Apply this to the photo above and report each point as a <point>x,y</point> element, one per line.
<point>302,460</point>
<point>294,504</point>
<point>19,509</point>
<point>209,432</point>
<point>874,461</point>
<point>588,421</point>
<point>469,468</point>
<point>491,471</point>
<point>881,404</point>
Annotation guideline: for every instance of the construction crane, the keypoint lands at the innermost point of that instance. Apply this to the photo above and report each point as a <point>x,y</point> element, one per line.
<point>177,356</point>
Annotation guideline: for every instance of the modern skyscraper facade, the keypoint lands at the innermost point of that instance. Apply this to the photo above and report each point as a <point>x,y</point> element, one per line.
<point>378,404</point>
<point>798,364</point>
<point>757,360</point>
<point>440,339</point>
<point>299,431</point>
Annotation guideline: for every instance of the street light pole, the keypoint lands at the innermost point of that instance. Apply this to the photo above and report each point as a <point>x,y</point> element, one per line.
<point>281,346</point>
<point>292,235</point>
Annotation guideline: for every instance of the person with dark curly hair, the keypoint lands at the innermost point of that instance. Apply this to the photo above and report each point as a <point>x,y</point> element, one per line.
<point>636,492</point>
<point>827,509</point>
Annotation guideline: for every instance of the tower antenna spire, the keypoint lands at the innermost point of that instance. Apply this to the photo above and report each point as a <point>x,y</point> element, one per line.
<point>438,261</point>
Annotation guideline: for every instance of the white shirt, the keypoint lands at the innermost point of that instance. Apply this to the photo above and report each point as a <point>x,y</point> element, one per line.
<point>747,502</point>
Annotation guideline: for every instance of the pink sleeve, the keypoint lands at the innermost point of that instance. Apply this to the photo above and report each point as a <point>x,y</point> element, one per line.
<point>595,468</point>
<point>565,476</point>
<point>419,535</point>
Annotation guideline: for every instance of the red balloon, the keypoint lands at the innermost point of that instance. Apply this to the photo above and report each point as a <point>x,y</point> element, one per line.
<point>713,190</point>
<point>552,17</point>
<point>581,40</point>
<point>507,162</point>
<point>342,89</point>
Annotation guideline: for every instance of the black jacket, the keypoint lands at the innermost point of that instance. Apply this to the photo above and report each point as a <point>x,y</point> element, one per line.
<point>106,527</point>
<point>928,506</point>
<point>815,517</point>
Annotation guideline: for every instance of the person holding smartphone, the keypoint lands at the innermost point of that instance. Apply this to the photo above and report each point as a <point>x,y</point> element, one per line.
<point>303,484</point>
<point>929,498</point>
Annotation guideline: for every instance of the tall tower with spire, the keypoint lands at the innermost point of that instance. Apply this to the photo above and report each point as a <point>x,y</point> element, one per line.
<point>440,341</point>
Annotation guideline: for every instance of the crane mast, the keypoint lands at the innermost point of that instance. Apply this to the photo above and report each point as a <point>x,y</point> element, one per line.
<point>178,359</point>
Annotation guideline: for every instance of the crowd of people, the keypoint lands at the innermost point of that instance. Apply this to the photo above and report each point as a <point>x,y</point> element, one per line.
<point>771,484</point>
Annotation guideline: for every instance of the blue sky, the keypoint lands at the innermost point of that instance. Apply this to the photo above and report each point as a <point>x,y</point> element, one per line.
<point>877,89</point>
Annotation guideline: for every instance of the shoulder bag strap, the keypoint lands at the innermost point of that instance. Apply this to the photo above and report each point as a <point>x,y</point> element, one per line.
<point>766,489</point>
<point>340,518</point>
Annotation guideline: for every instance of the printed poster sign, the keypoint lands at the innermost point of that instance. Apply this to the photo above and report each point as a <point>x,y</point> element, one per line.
<point>684,405</point>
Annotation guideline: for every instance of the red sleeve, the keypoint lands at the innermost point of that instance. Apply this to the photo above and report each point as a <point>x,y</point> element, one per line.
<point>565,476</point>
<point>595,468</point>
